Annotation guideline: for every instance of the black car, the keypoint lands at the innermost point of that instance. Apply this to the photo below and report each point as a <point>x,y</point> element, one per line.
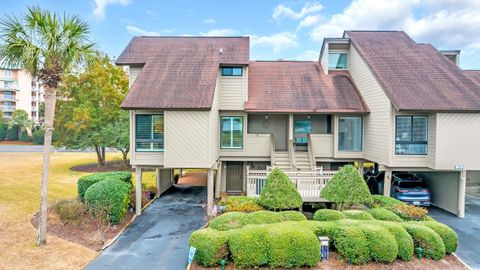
<point>410,188</point>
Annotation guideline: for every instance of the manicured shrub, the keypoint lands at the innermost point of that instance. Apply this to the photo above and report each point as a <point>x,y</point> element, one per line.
<point>384,214</point>
<point>381,243</point>
<point>85,182</point>
<point>427,239</point>
<point>70,211</point>
<point>347,187</point>
<point>263,217</point>
<point>358,214</point>
<point>428,218</point>
<point>38,136</point>
<point>211,245</point>
<point>448,235</point>
<point>410,212</point>
<point>249,247</point>
<point>12,133</point>
<point>328,215</point>
<point>241,204</point>
<point>351,243</point>
<point>383,201</point>
<point>3,130</point>
<point>319,228</point>
<point>279,193</point>
<point>292,216</point>
<point>291,246</point>
<point>24,137</point>
<point>109,196</point>
<point>404,240</point>
<point>229,221</point>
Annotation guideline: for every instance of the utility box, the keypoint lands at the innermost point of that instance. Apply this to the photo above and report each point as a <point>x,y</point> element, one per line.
<point>323,247</point>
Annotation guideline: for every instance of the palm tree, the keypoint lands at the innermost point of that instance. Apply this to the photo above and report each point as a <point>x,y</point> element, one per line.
<point>20,119</point>
<point>46,45</point>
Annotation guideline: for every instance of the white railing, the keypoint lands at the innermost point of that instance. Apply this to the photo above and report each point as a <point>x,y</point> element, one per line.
<point>308,183</point>
<point>311,156</point>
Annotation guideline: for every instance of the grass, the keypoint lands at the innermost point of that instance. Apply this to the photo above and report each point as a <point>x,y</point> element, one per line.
<point>20,199</point>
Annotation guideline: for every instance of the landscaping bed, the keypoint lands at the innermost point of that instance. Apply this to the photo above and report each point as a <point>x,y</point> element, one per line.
<point>110,166</point>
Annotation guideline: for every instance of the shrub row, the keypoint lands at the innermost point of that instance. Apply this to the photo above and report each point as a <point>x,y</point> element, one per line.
<point>404,211</point>
<point>236,220</point>
<point>358,214</point>
<point>426,238</point>
<point>381,213</point>
<point>85,182</point>
<point>241,204</point>
<point>328,215</point>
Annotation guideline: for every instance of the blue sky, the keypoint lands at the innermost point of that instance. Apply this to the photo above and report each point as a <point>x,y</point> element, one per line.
<point>278,29</point>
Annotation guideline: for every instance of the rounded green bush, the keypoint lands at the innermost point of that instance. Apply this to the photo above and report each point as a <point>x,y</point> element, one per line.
<point>448,235</point>
<point>384,201</point>
<point>279,193</point>
<point>381,213</point>
<point>12,133</point>
<point>291,246</point>
<point>382,244</point>
<point>404,240</point>
<point>358,214</point>
<point>24,137</point>
<point>85,182</point>
<point>427,239</point>
<point>38,136</point>
<point>3,129</point>
<point>292,216</point>
<point>211,245</point>
<point>109,196</point>
<point>428,218</point>
<point>263,217</point>
<point>351,243</point>
<point>229,221</point>
<point>328,215</point>
<point>249,246</point>
<point>319,228</point>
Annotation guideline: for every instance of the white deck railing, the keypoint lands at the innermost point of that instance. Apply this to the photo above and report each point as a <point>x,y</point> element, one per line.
<point>308,183</point>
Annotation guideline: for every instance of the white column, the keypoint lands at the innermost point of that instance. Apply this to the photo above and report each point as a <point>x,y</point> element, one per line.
<point>138,191</point>
<point>210,184</point>
<point>360,167</point>
<point>157,175</point>
<point>218,180</point>
<point>387,183</point>
<point>290,126</point>
<point>462,181</point>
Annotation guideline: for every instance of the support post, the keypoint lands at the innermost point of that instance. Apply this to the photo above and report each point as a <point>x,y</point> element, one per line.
<point>387,183</point>
<point>290,126</point>
<point>138,191</point>
<point>462,182</point>
<point>157,174</point>
<point>218,180</point>
<point>361,170</point>
<point>210,184</point>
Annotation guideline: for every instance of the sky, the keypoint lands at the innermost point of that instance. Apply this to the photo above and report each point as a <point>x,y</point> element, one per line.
<point>291,30</point>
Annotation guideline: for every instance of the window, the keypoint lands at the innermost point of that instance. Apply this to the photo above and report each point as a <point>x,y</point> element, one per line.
<point>411,135</point>
<point>149,130</point>
<point>8,85</point>
<point>231,132</point>
<point>7,73</point>
<point>350,134</point>
<point>231,71</point>
<point>337,61</point>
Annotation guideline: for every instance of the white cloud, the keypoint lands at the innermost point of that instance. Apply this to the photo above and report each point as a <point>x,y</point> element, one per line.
<point>284,11</point>
<point>101,5</point>
<point>278,42</point>
<point>309,21</point>
<point>139,31</point>
<point>220,32</point>
<point>209,21</point>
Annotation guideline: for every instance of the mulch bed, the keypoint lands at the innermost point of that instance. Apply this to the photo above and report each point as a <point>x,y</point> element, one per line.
<point>15,143</point>
<point>86,233</point>
<point>449,262</point>
<point>110,166</point>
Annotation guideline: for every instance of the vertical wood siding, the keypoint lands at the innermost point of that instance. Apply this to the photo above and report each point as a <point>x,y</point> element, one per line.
<point>233,91</point>
<point>133,72</point>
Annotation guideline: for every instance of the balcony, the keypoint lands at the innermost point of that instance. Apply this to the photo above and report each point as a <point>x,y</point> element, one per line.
<point>7,108</point>
<point>7,98</point>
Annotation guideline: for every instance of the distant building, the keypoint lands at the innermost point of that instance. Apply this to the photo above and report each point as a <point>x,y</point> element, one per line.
<point>19,91</point>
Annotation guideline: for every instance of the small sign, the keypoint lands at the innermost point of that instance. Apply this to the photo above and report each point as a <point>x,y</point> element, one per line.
<point>324,253</point>
<point>459,167</point>
<point>191,254</point>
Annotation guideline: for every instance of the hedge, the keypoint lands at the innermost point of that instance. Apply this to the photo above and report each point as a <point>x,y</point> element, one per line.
<point>381,213</point>
<point>263,217</point>
<point>111,196</point>
<point>351,243</point>
<point>328,215</point>
<point>38,136</point>
<point>320,228</point>
<point>241,204</point>
<point>85,182</point>
<point>237,220</point>
<point>448,235</point>
<point>229,221</point>
<point>358,214</point>
<point>279,193</point>
<point>249,247</point>
<point>381,243</point>
<point>383,201</point>
<point>212,246</point>
<point>3,130</point>
<point>292,216</point>
<point>24,137</point>
<point>12,133</point>
<point>403,238</point>
<point>427,239</point>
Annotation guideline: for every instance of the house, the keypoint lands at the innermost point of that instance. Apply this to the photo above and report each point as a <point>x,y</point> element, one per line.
<point>373,96</point>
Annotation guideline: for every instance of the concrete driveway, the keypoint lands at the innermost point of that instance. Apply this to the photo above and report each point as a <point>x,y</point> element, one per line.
<point>468,230</point>
<point>158,239</point>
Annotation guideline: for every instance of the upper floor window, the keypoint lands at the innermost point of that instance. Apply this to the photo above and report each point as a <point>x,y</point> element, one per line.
<point>411,135</point>
<point>7,73</point>
<point>350,133</point>
<point>231,132</point>
<point>337,60</point>
<point>232,71</point>
<point>149,132</point>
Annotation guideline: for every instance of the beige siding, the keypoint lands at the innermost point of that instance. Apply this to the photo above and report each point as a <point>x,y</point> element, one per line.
<point>233,91</point>
<point>142,158</point>
<point>133,72</point>
<point>187,139</point>
<point>444,187</point>
<point>322,145</point>
<point>458,141</point>
<point>324,59</point>
<point>214,126</point>
<point>378,124</point>
<point>255,145</point>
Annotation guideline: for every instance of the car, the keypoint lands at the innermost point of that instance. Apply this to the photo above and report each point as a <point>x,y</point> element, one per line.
<point>410,188</point>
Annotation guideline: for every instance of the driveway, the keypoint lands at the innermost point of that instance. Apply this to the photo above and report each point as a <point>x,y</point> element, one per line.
<point>468,230</point>
<point>158,239</point>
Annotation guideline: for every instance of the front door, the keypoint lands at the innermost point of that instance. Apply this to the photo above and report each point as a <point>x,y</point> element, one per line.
<point>302,128</point>
<point>234,176</point>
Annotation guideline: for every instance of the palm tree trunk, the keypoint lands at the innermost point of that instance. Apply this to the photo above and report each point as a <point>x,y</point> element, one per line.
<point>50,98</point>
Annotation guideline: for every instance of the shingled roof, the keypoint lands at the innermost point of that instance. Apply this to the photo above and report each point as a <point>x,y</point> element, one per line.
<point>415,76</point>
<point>179,72</point>
<point>474,75</point>
<point>300,86</point>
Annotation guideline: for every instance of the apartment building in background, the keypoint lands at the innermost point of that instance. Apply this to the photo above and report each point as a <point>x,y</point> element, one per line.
<point>19,91</point>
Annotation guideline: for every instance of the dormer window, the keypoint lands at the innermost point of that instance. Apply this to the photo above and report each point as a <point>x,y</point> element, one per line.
<point>337,60</point>
<point>232,71</point>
